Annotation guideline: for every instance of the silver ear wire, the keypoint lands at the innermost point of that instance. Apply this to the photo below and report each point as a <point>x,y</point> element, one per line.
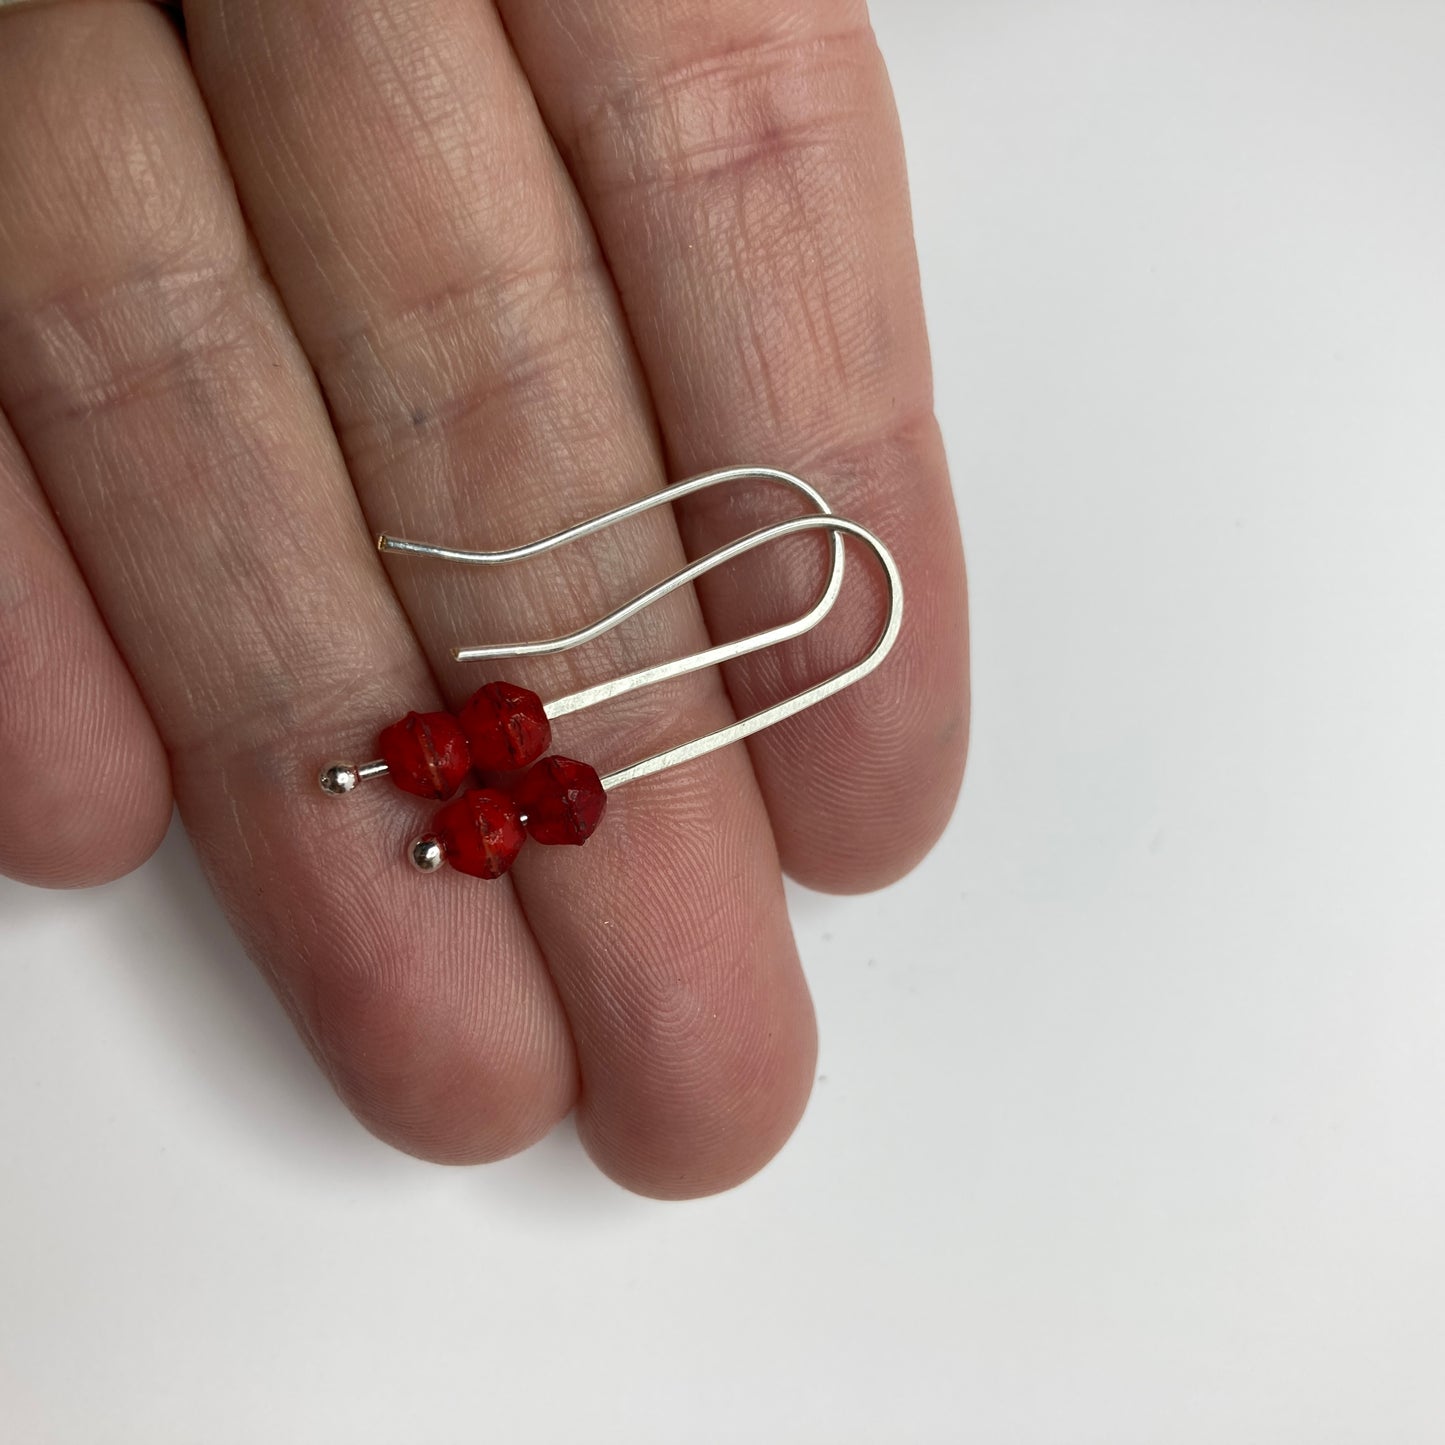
<point>822,520</point>
<point>505,730</point>
<point>790,706</point>
<point>725,652</point>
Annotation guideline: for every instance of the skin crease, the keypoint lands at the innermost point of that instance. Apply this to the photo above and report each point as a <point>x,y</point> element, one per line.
<point>469,275</point>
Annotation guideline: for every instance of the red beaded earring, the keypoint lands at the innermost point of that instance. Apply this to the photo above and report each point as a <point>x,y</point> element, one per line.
<point>505,730</point>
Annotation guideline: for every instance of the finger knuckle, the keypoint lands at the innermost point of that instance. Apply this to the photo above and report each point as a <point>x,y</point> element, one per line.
<point>736,113</point>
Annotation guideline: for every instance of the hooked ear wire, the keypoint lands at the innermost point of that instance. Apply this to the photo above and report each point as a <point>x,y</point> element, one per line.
<point>505,728</point>
<point>724,653</point>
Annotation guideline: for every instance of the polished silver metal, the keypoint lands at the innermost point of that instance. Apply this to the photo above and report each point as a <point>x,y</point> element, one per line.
<point>338,779</point>
<point>799,702</point>
<point>426,854</point>
<point>643,678</point>
<point>823,520</point>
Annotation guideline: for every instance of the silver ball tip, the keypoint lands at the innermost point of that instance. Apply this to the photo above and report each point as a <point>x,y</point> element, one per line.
<point>339,778</point>
<point>427,854</point>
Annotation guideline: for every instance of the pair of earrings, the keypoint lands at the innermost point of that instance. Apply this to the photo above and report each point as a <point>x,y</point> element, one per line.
<point>504,731</point>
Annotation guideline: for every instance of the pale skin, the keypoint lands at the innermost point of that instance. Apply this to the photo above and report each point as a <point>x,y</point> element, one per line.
<point>469,271</point>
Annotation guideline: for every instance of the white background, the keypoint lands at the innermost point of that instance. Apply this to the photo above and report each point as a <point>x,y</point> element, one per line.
<point>1130,1122</point>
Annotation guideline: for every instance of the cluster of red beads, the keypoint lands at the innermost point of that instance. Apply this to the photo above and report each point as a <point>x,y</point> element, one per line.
<point>501,729</point>
<point>557,800</point>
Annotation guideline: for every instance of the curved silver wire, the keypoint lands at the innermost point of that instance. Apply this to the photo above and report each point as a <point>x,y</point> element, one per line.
<point>388,543</point>
<point>823,520</point>
<point>789,706</point>
<point>644,677</point>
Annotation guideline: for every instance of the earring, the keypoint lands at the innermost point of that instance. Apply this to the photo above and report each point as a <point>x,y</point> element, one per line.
<point>507,729</point>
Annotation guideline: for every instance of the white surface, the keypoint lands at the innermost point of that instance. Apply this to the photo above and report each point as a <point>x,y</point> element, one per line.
<point>1131,1120</point>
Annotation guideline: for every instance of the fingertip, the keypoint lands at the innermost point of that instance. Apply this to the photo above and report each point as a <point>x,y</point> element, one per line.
<point>900,790</point>
<point>54,834</point>
<point>712,1121</point>
<point>658,1171</point>
<point>422,1000</point>
<point>424,1077</point>
<point>87,798</point>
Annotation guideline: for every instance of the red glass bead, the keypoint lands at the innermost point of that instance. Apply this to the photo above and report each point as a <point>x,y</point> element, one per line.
<point>481,832</point>
<point>425,753</point>
<point>562,800</point>
<point>506,727</point>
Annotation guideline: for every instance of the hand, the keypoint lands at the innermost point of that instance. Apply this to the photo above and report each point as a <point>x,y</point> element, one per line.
<point>321,268</point>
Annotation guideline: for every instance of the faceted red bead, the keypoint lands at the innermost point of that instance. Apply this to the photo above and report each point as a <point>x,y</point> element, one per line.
<point>481,832</point>
<point>562,800</point>
<point>426,753</point>
<point>506,727</point>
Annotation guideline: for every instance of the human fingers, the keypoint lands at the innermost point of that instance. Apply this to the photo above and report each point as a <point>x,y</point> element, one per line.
<point>445,283</point>
<point>741,162</point>
<point>173,422</point>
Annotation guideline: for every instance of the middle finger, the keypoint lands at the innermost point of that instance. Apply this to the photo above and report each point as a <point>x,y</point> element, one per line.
<point>443,279</point>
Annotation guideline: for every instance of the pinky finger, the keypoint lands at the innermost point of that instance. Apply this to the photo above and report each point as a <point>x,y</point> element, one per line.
<point>85,791</point>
